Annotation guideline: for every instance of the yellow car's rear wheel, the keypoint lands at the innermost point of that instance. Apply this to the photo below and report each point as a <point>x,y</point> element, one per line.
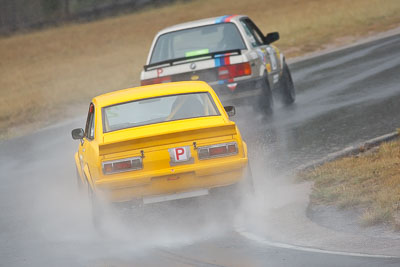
<point>79,183</point>
<point>233,195</point>
<point>97,210</point>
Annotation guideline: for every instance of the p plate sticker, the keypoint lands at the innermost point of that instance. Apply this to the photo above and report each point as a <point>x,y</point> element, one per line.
<point>159,72</point>
<point>179,154</point>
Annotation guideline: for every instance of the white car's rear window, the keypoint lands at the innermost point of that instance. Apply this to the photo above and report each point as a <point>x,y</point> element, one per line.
<point>156,110</point>
<point>195,41</point>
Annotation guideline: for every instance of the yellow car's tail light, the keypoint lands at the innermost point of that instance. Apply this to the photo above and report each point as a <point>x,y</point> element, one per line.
<point>123,165</point>
<point>220,150</point>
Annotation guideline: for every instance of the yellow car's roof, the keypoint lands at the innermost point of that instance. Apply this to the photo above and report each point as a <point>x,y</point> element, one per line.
<point>148,91</point>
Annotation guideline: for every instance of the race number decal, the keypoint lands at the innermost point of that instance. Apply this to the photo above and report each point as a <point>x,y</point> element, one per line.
<point>179,154</point>
<point>272,57</point>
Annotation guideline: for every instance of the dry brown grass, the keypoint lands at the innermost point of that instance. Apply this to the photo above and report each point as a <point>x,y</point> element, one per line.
<point>43,74</point>
<point>370,181</point>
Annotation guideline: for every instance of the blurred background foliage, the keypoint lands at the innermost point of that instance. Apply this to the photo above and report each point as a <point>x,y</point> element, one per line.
<point>16,15</point>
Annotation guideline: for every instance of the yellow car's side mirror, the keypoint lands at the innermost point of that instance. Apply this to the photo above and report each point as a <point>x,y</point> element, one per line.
<point>230,110</point>
<point>77,133</point>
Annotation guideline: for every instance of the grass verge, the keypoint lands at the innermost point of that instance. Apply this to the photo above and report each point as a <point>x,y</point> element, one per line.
<point>45,74</point>
<point>369,181</point>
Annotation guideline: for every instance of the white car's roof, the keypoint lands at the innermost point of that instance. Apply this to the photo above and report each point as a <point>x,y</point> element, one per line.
<point>198,23</point>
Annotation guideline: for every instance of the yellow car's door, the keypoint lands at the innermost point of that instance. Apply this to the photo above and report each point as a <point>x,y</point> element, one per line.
<point>85,146</point>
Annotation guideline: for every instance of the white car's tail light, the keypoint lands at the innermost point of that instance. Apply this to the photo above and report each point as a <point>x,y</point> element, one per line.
<point>232,71</point>
<point>220,150</point>
<point>123,165</point>
<point>164,79</point>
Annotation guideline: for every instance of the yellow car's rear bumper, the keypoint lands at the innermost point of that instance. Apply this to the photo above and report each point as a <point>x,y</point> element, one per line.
<point>189,178</point>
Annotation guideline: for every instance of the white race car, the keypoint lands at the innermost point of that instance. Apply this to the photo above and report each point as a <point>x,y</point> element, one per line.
<point>230,53</point>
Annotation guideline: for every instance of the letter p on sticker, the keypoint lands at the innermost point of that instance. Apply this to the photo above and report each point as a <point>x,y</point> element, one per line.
<point>159,72</point>
<point>180,154</point>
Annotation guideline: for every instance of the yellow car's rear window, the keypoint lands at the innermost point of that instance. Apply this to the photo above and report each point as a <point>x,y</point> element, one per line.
<point>156,110</point>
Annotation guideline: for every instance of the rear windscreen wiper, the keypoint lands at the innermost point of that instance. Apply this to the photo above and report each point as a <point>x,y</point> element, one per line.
<point>182,60</point>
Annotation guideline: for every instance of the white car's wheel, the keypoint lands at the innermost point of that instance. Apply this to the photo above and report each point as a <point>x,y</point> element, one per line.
<point>287,90</point>
<point>267,100</point>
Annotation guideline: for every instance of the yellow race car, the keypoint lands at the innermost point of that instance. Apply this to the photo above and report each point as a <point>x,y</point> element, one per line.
<point>158,143</point>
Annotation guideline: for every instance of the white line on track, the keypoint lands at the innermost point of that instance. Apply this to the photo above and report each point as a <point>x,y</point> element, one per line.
<point>262,240</point>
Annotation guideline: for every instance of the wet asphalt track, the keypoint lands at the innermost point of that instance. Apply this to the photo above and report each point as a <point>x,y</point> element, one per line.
<point>343,98</point>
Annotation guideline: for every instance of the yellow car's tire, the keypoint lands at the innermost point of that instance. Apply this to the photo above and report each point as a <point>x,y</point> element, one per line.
<point>248,182</point>
<point>79,183</point>
<point>246,185</point>
<point>96,209</point>
<point>236,193</point>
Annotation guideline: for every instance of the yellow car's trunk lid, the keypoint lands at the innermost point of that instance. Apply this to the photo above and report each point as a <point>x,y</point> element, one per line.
<point>165,133</point>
